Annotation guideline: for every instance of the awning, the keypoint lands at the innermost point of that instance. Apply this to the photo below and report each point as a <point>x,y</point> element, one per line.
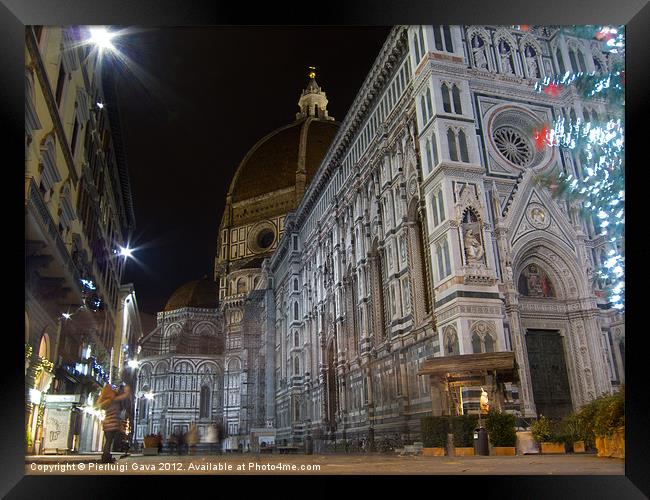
<point>470,365</point>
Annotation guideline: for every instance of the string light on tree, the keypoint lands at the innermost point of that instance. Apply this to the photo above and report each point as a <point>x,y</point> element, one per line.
<point>599,147</point>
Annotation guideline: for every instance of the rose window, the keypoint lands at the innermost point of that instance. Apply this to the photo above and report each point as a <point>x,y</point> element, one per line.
<point>513,146</point>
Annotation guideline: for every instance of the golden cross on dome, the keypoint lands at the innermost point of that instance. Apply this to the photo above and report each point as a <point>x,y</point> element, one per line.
<point>312,72</point>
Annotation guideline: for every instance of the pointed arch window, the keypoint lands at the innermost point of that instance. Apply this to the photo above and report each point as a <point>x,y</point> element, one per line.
<point>446,100</point>
<point>442,38</point>
<point>451,143</point>
<point>427,152</point>
<point>462,141</point>
<point>441,206</point>
<point>445,256</point>
<point>295,311</point>
<point>452,347</point>
<point>434,210</point>
<point>476,343</point>
<point>425,117</point>
<point>456,97</point>
<point>204,407</point>
<point>429,105</point>
<point>581,61</point>
<point>560,61</point>
<point>416,46</point>
<point>437,38</point>
<point>422,50</point>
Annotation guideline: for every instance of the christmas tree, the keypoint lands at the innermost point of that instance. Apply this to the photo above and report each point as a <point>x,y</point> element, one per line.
<point>597,144</point>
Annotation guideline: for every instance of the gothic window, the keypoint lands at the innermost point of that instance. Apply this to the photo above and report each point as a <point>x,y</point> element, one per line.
<point>421,37</point>
<point>429,104</point>
<point>434,210</point>
<point>296,338</point>
<point>572,116</point>
<point>446,259</point>
<point>443,34</point>
<point>204,406</point>
<point>295,284</point>
<point>427,152</point>
<point>489,343</point>
<point>296,365</point>
<point>513,146</point>
<point>241,285</point>
<point>462,142</point>
<point>425,118</point>
<point>560,61</point>
<point>295,311</point>
<point>451,143</point>
<point>456,97</point>
<point>446,100</point>
<point>476,343</point>
<point>441,206</point>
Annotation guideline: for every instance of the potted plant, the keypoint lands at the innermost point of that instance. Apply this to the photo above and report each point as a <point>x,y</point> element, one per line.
<point>434,435</point>
<point>573,433</point>
<point>501,432</point>
<point>462,427</point>
<point>603,421</point>
<point>547,435</point>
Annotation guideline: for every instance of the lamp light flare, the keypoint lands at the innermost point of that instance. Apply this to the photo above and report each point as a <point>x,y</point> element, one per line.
<point>66,315</point>
<point>101,37</point>
<point>126,251</point>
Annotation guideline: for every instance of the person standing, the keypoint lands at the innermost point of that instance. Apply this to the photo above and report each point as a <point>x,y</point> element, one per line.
<point>111,402</point>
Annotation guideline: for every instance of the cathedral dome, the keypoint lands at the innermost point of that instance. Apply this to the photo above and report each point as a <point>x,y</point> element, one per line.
<point>201,293</point>
<point>272,164</point>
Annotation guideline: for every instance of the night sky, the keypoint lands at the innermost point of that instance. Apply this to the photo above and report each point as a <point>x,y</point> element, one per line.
<point>192,102</point>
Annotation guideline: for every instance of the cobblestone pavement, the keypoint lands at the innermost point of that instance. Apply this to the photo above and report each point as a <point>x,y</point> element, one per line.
<point>326,464</point>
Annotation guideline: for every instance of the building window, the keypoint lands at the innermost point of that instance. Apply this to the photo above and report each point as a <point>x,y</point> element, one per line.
<point>451,143</point>
<point>441,206</point>
<point>434,210</point>
<point>429,105</point>
<point>416,46</point>
<point>75,133</point>
<point>295,311</point>
<point>560,61</point>
<point>446,101</point>
<point>456,97</point>
<point>295,284</point>
<point>440,34</point>
<point>462,142</point>
<point>204,411</point>
<point>421,34</point>
<point>476,343</point>
<point>60,83</point>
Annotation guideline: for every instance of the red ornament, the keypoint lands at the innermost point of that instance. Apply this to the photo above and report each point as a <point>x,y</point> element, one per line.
<point>524,27</point>
<point>542,137</point>
<point>552,89</point>
<point>603,36</point>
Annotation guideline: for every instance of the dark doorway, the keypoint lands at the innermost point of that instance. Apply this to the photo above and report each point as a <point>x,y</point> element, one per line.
<point>548,373</point>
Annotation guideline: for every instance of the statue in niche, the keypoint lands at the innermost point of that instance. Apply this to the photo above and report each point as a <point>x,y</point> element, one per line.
<point>478,48</point>
<point>533,282</point>
<point>531,62</point>
<point>472,238</point>
<point>473,247</point>
<point>505,56</point>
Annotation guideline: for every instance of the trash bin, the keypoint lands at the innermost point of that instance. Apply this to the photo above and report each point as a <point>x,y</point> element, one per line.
<point>481,446</point>
<point>309,446</point>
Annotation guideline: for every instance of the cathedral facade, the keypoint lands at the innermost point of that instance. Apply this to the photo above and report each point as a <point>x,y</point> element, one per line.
<point>350,253</point>
<point>424,234</point>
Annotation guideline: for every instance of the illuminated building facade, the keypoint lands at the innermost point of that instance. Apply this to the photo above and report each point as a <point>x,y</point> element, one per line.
<point>423,234</point>
<point>78,214</point>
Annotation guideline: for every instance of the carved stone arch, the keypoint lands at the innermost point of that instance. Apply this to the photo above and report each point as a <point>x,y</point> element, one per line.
<point>485,332</point>
<point>529,41</point>
<point>478,213</point>
<point>203,328</point>
<point>560,264</point>
<point>173,330</point>
<point>44,346</point>
<point>478,31</point>
<point>502,35</point>
<point>450,340</point>
<point>378,285</point>
<point>418,262</point>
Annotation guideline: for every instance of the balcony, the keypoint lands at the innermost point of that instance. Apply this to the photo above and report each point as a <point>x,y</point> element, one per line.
<point>46,250</point>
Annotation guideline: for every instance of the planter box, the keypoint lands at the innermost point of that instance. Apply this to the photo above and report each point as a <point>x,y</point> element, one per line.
<point>579,447</point>
<point>553,448</point>
<point>504,451</point>
<point>526,444</point>
<point>433,452</point>
<point>151,442</point>
<point>150,451</point>
<point>612,446</point>
<point>464,451</point>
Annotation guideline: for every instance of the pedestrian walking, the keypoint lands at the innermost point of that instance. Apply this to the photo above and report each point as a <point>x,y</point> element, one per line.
<point>111,401</point>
